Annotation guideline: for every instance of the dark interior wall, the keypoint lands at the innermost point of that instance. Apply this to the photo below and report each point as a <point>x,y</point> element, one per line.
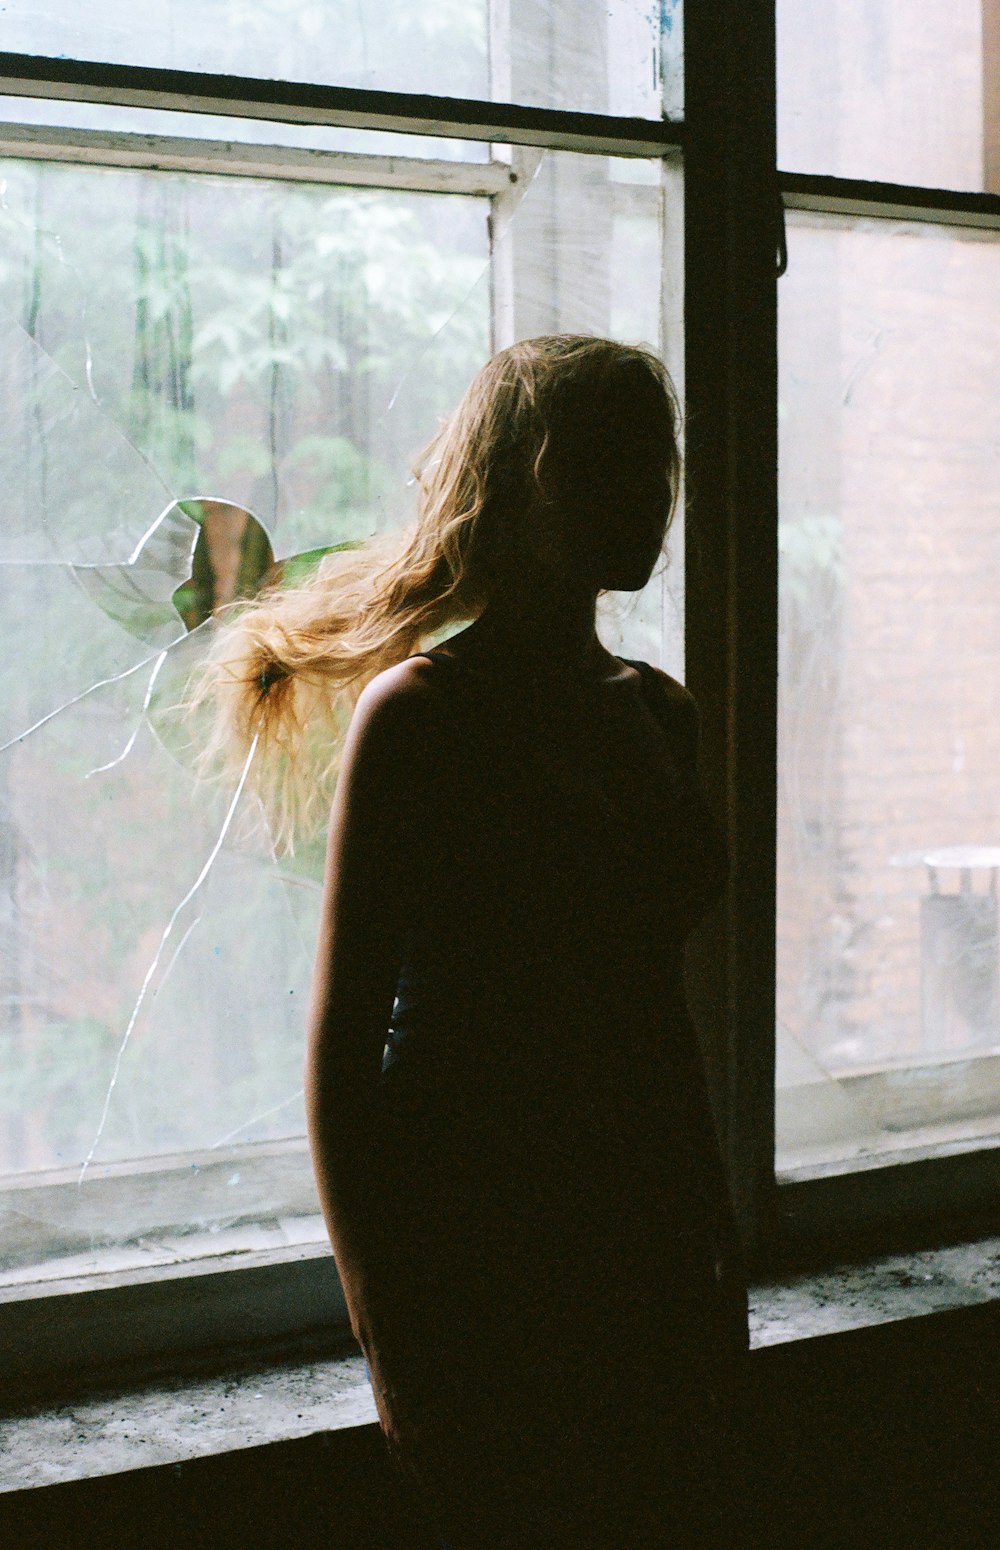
<point>882,1438</point>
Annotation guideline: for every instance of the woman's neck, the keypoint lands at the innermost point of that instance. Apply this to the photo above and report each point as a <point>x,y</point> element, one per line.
<point>549,628</point>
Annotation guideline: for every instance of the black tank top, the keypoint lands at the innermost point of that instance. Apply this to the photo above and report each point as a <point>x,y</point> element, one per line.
<point>542,1083</point>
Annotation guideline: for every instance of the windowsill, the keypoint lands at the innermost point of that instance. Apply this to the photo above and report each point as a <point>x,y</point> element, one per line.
<point>174,1420</point>
<point>171,1421</point>
<point>898,1111</point>
<point>886,1289</point>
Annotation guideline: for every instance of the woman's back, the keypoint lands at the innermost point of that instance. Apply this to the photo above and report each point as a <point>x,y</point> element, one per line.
<point>522,1183</point>
<point>551,1200</point>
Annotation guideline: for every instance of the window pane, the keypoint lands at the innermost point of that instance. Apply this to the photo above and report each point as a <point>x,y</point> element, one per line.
<point>889,741</point>
<point>622,57</point>
<point>254,362</point>
<point>892,90</point>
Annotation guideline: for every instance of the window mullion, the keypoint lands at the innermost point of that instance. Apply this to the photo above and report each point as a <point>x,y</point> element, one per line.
<point>731,548</point>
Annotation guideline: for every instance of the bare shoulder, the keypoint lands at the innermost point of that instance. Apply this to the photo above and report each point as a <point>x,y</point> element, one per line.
<point>674,698</point>
<point>672,691</point>
<point>677,709</point>
<point>396,710</point>
<point>397,690</point>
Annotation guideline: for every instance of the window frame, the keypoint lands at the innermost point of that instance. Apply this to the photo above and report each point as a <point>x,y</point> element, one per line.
<point>924,1198</point>
<point>948,1195</point>
<point>56,1332</point>
<point>734,203</point>
<point>733,233</point>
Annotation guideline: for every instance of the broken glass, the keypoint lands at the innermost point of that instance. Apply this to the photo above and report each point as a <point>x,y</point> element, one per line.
<point>234,379</point>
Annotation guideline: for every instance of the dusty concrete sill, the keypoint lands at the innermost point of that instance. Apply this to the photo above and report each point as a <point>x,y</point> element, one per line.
<point>877,1291</point>
<point>170,1422</point>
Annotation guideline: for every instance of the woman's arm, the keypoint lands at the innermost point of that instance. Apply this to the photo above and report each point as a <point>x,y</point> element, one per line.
<point>367,904</point>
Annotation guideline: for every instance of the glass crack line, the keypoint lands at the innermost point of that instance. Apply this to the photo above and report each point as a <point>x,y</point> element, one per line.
<point>158,522</point>
<point>430,340</point>
<point>102,683</point>
<point>154,964</point>
<point>249,1124</point>
<point>527,179</point>
<point>89,358</point>
<point>146,462</point>
<point>176,954</point>
<point>101,768</point>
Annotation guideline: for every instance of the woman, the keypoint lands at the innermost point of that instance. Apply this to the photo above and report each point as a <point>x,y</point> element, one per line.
<point>522,1183</point>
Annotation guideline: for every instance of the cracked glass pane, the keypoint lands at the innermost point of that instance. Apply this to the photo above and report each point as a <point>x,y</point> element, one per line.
<point>234,380</point>
<point>617,56</point>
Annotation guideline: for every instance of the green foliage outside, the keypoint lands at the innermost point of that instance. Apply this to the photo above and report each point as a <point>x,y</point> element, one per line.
<point>283,348</point>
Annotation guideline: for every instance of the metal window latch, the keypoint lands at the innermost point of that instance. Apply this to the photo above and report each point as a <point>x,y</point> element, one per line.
<point>781,245</point>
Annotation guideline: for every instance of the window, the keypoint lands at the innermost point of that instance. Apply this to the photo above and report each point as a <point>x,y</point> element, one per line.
<point>231,316</point>
<point>243,270</point>
<point>888,1015</point>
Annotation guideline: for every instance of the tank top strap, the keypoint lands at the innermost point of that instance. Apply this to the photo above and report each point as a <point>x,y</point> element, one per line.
<point>454,673</point>
<point>650,688</point>
<point>434,655</point>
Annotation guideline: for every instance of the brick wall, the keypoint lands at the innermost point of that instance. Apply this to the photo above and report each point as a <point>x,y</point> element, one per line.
<point>890,737</point>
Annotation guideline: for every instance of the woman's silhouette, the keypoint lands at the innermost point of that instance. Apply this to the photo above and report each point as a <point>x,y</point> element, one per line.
<point>522,1183</point>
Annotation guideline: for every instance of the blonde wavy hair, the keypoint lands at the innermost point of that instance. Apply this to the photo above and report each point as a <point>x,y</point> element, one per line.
<point>283,672</point>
